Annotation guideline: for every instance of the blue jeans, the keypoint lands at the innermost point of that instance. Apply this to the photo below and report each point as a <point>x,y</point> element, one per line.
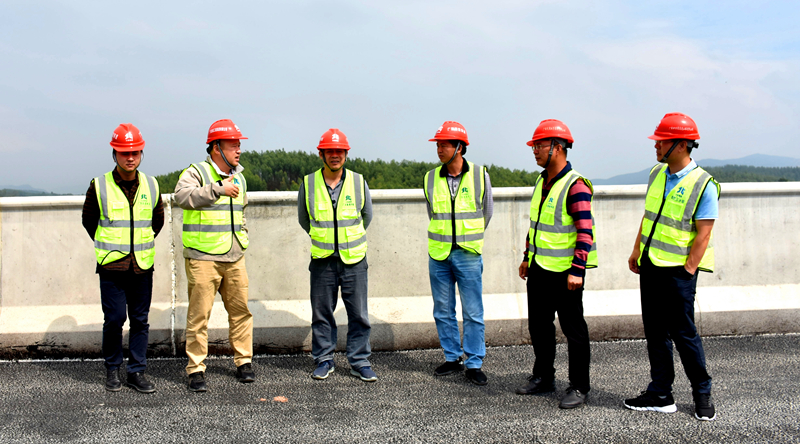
<point>668,316</point>
<point>327,277</point>
<point>121,292</point>
<point>466,269</point>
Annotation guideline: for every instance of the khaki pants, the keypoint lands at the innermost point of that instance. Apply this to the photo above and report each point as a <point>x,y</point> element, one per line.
<point>205,279</point>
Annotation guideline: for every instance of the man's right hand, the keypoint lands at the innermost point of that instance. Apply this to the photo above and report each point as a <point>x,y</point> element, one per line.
<point>633,261</point>
<point>229,189</point>
<point>523,270</point>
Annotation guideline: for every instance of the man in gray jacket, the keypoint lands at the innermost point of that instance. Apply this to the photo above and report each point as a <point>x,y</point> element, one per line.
<point>213,195</point>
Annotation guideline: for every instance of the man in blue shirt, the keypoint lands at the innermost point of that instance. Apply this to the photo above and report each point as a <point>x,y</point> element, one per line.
<point>673,244</point>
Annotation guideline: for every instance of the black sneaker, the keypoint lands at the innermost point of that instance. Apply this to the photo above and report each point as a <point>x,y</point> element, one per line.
<point>536,385</point>
<point>651,401</point>
<point>113,384</point>
<point>197,382</point>
<point>574,398</point>
<point>138,382</point>
<point>449,367</point>
<point>703,407</point>
<point>245,373</point>
<point>476,376</point>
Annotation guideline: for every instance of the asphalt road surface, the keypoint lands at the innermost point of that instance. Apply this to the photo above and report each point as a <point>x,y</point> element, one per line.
<point>756,392</point>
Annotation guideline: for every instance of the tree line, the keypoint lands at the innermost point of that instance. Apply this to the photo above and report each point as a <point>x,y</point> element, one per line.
<point>280,170</point>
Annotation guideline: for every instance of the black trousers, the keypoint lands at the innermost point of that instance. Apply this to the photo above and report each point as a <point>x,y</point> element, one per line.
<point>668,316</point>
<point>548,295</point>
<point>125,294</point>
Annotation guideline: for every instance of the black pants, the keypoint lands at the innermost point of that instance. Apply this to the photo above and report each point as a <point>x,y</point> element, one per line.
<point>668,315</point>
<point>121,292</point>
<point>548,295</point>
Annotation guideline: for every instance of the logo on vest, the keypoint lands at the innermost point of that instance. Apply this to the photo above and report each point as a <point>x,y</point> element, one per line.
<point>143,196</point>
<point>236,180</point>
<point>679,195</point>
<point>550,204</point>
<point>348,201</point>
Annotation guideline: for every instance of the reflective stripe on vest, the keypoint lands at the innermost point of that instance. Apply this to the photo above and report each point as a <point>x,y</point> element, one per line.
<point>118,233</point>
<point>465,212</point>
<point>552,235</point>
<point>211,228</point>
<point>344,225</point>
<point>671,219</point>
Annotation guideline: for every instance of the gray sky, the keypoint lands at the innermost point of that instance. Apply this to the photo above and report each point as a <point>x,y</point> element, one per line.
<point>388,74</point>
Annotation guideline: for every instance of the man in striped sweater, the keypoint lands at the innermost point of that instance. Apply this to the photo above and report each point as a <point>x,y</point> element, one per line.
<point>558,250</point>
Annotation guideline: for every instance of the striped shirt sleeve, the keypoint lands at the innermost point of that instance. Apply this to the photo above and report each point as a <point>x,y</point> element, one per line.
<point>579,207</point>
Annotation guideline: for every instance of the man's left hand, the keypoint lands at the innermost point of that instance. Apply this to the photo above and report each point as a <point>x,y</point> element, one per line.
<point>574,282</point>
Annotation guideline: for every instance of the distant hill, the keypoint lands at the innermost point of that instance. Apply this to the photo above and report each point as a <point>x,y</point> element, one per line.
<point>753,160</point>
<point>10,192</point>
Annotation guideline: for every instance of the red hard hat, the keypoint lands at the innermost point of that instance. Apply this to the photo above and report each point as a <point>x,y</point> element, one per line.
<point>224,129</point>
<point>451,131</point>
<point>127,138</point>
<point>551,128</point>
<point>333,139</point>
<point>676,126</point>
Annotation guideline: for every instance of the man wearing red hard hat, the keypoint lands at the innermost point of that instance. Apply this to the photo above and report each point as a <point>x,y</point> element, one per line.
<point>672,245</point>
<point>213,195</point>
<point>335,208</point>
<point>459,198</point>
<point>560,246</point>
<point>123,214</point>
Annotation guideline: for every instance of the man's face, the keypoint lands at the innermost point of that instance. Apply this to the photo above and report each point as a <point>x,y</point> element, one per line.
<point>541,150</point>
<point>445,150</point>
<point>334,159</point>
<point>232,149</point>
<point>129,161</point>
<point>663,146</point>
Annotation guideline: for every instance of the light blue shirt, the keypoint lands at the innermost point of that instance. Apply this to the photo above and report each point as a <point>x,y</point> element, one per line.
<point>708,207</point>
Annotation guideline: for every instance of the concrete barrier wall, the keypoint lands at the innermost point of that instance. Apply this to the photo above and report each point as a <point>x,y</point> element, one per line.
<point>50,298</point>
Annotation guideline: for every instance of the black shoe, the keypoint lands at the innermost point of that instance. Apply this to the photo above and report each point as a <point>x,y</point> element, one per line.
<point>574,398</point>
<point>138,382</point>
<point>245,373</point>
<point>476,376</point>
<point>113,384</point>
<point>449,367</point>
<point>703,407</point>
<point>653,402</point>
<point>197,382</point>
<point>536,385</point>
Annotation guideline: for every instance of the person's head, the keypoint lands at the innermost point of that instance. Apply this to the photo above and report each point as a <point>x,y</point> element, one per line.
<point>675,137</point>
<point>128,147</point>
<point>333,148</point>
<point>451,141</point>
<point>552,150</point>
<point>550,142</point>
<point>225,152</point>
<point>224,144</point>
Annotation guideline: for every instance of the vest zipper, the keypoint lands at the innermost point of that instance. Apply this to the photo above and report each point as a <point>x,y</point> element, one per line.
<point>130,206</point>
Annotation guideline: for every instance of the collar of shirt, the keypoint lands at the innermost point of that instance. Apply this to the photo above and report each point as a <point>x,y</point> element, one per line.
<point>239,168</point>
<point>344,174</point>
<point>464,168</point>
<point>692,165</point>
<point>560,174</point>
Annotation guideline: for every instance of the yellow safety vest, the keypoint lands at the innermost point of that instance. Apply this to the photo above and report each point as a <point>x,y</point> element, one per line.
<point>552,236</point>
<point>668,225</point>
<point>343,225</point>
<point>211,229</point>
<point>122,228</point>
<point>464,212</point>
